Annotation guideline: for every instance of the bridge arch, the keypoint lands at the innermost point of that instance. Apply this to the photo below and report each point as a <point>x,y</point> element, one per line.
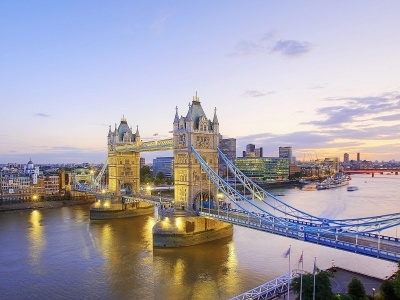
<point>204,199</point>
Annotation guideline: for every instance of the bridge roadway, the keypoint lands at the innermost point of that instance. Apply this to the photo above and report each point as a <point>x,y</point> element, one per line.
<point>382,247</point>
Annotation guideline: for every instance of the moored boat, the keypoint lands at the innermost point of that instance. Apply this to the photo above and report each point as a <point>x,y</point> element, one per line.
<point>309,187</point>
<point>351,188</point>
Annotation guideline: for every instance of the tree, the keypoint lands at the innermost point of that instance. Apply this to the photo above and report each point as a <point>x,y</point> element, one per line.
<point>145,174</point>
<point>396,282</point>
<point>356,289</point>
<point>323,288</point>
<point>160,176</point>
<point>386,290</point>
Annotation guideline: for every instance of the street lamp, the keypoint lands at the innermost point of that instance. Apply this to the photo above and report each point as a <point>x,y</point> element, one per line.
<point>373,293</point>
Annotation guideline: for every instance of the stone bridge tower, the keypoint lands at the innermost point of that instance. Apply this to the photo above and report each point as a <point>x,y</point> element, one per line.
<point>123,166</point>
<point>192,186</point>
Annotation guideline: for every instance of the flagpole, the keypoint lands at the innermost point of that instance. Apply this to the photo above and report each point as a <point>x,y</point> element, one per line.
<point>288,289</point>
<point>301,277</point>
<point>315,271</point>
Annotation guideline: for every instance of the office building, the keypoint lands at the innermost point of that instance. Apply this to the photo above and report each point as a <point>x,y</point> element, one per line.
<point>286,152</point>
<point>142,162</point>
<point>252,151</point>
<point>164,165</point>
<point>264,168</point>
<point>227,147</point>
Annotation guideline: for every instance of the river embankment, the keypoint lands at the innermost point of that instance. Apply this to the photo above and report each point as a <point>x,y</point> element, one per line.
<point>46,204</point>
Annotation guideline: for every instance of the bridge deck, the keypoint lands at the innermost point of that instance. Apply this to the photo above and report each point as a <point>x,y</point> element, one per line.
<point>366,244</point>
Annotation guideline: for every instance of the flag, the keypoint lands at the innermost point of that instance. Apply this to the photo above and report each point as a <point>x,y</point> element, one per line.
<point>301,276</point>
<point>155,134</point>
<point>314,272</point>
<point>287,253</point>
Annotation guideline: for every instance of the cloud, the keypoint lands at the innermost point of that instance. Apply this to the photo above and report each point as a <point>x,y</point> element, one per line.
<point>267,44</point>
<point>316,87</point>
<point>41,115</point>
<point>359,111</point>
<point>256,94</point>
<point>158,25</point>
<point>291,47</point>
<point>395,117</point>
<point>245,48</point>
<point>58,154</point>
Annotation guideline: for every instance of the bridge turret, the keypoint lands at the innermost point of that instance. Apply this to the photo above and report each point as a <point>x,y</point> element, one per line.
<point>176,121</point>
<point>137,135</point>
<point>198,131</point>
<point>189,120</point>
<point>123,166</point>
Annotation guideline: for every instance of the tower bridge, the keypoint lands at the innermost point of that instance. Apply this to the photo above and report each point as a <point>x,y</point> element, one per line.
<point>205,206</point>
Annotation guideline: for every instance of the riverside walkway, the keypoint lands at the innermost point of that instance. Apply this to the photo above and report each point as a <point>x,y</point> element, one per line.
<point>339,282</point>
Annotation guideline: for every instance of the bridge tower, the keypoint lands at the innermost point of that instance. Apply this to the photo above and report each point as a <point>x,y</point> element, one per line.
<point>123,166</point>
<point>192,186</point>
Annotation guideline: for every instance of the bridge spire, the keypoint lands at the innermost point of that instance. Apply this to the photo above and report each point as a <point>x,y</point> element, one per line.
<point>176,119</point>
<point>215,119</point>
<point>196,99</point>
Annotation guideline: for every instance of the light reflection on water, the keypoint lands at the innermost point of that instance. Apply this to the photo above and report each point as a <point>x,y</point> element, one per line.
<point>60,253</point>
<point>36,237</point>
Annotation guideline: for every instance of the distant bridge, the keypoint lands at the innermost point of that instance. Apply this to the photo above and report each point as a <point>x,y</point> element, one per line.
<point>373,171</point>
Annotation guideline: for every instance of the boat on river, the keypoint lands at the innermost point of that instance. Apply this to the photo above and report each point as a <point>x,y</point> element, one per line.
<point>309,187</point>
<point>351,188</point>
<point>334,181</point>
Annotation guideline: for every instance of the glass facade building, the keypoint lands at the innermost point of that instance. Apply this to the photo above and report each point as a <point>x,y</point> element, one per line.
<point>164,165</point>
<point>228,147</point>
<point>286,152</point>
<point>264,168</point>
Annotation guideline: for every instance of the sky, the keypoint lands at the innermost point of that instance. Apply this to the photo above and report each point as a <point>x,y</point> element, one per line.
<point>320,76</point>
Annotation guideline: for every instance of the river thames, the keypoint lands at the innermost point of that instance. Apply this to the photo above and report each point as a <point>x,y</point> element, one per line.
<point>61,254</point>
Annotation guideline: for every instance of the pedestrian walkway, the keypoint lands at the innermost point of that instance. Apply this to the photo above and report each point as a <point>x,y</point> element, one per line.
<point>343,277</point>
<point>277,288</point>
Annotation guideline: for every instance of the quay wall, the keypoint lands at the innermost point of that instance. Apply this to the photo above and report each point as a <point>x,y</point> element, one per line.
<point>44,204</point>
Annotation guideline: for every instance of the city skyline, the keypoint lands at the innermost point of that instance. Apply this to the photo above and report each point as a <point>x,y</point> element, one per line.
<point>319,77</point>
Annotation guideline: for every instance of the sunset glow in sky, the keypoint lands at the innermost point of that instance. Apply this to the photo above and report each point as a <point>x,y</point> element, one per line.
<point>320,76</point>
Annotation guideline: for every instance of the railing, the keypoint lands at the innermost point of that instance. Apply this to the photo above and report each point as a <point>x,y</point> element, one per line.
<point>329,240</point>
<point>148,146</point>
<point>270,289</point>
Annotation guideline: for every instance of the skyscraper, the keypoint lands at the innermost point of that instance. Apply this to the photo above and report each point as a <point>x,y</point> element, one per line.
<point>286,152</point>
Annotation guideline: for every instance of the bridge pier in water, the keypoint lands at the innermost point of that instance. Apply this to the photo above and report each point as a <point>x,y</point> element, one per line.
<point>180,228</point>
<point>106,208</point>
